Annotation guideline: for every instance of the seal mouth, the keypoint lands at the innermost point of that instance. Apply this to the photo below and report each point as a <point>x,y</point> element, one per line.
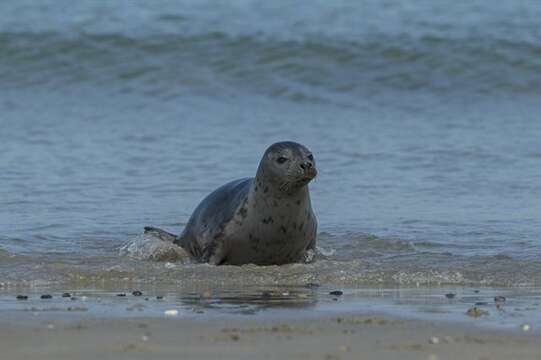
<point>310,173</point>
<point>306,177</point>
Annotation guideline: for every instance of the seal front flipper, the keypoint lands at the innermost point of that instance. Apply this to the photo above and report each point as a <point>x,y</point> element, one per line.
<point>218,255</point>
<point>161,234</point>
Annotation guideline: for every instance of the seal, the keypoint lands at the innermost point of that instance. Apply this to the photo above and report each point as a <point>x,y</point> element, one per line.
<point>266,220</point>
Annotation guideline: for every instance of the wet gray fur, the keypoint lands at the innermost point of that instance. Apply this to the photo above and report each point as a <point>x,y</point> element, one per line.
<point>266,220</point>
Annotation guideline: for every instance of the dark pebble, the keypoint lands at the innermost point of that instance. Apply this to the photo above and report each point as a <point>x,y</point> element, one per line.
<point>66,295</point>
<point>499,299</point>
<point>481,303</point>
<point>311,286</point>
<point>46,296</point>
<point>121,294</point>
<point>137,293</point>
<point>146,299</point>
<point>476,291</point>
<point>22,297</point>
<point>450,296</point>
<point>336,293</point>
<point>73,298</point>
<point>159,297</point>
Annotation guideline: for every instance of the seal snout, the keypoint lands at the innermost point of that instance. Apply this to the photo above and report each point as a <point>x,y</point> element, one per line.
<point>309,171</point>
<point>308,168</point>
<point>307,165</point>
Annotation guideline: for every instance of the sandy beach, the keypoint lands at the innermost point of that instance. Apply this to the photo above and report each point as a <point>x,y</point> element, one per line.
<point>422,119</point>
<point>347,336</point>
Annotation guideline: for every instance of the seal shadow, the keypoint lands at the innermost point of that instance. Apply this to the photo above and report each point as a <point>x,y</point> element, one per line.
<point>250,301</point>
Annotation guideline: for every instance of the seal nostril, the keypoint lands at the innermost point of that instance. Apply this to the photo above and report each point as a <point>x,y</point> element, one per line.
<point>306,165</point>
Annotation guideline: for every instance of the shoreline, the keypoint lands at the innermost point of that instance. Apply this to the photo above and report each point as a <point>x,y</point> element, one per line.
<point>514,308</point>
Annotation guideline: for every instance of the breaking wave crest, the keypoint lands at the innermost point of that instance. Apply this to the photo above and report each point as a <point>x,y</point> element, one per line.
<point>309,68</point>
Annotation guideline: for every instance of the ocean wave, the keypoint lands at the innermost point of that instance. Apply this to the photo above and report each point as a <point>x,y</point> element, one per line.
<point>349,246</point>
<point>6,256</point>
<point>312,68</point>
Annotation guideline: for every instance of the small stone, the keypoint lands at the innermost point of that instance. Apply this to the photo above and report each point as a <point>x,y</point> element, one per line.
<point>434,340</point>
<point>50,326</point>
<point>285,293</point>
<point>73,298</point>
<point>525,327</point>
<point>476,291</point>
<point>499,299</point>
<point>121,294</point>
<point>77,308</point>
<point>144,338</point>
<point>450,296</point>
<point>234,337</point>
<point>22,297</point>
<point>172,312</point>
<point>137,293</point>
<point>476,312</point>
<point>66,295</point>
<point>46,296</point>
<point>159,297</point>
<point>336,293</point>
<point>311,286</point>
<point>84,298</point>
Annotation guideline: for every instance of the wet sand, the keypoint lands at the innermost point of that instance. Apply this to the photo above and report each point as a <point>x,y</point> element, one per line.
<point>353,336</point>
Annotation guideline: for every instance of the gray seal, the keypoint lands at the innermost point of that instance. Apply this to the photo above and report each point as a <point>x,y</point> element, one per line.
<point>266,220</point>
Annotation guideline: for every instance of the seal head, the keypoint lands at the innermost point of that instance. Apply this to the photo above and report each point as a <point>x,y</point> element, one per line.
<point>286,167</point>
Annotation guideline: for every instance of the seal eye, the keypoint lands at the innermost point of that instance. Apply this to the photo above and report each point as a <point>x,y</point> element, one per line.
<point>311,157</point>
<point>281,160</point>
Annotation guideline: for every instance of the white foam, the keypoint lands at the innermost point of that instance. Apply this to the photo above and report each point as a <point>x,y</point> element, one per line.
<point>325,252</point>
<point>150,247</point>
